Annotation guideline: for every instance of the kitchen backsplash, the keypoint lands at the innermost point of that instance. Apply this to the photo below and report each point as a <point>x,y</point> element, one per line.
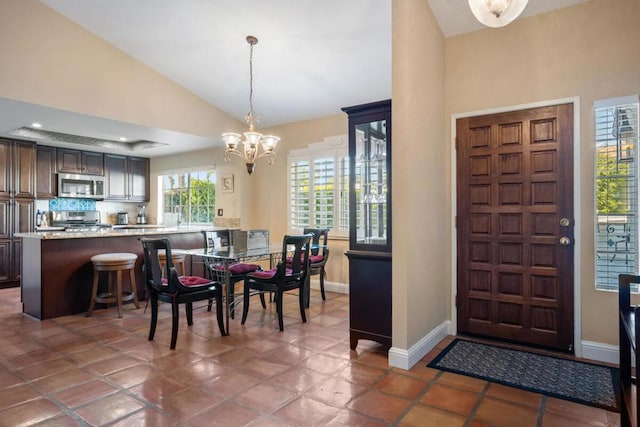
<point>64,204</point>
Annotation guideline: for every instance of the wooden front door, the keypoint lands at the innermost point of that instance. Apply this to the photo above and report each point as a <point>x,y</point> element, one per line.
<point>515,226</point>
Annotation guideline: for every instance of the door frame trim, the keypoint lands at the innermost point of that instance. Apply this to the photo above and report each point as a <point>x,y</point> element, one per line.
<point>577,326</point>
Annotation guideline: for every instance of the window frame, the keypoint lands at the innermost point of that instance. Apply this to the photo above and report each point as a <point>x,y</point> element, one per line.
<point>608,225</point>
<point>335,148</point>
<point>190,172</point>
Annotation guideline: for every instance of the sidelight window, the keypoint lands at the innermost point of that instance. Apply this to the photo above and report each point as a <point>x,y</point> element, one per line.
<point>616,187</point>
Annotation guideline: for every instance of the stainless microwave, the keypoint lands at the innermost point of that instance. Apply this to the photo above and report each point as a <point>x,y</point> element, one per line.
<point>80,186</point>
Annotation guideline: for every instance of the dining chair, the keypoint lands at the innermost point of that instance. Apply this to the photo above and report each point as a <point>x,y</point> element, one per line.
<point>282,278</point>
<point>237,270</point>
<point>319,254</point>
<point>175,289</point>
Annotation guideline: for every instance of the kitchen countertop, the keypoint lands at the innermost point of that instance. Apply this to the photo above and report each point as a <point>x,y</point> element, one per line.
<point>128,230</point>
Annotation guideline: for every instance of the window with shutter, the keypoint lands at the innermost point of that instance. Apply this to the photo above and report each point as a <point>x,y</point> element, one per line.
<point>616,187</point>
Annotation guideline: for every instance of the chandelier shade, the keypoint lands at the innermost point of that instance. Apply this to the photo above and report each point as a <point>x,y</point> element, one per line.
<point>253,140</point>
<point>497,13</point>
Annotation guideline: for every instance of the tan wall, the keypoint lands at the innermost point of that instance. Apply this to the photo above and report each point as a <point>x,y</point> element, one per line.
<point>49,60</point>
<point>590,50</point>
<point>268,204</point>
<point>421,217</point>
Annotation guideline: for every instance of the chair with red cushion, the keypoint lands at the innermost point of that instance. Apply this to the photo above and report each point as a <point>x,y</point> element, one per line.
<point>175,289</point>
<point>282,278</point>
<point>319,254</point>
<point>237,270</point>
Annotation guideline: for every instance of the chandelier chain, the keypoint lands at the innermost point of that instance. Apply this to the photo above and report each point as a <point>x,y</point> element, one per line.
<point>252,113</point>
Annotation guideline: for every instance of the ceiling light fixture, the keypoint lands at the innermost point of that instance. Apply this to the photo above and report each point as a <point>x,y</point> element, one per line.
<point>497,13</point>
<point>253,140</point>
<point>36,125</point>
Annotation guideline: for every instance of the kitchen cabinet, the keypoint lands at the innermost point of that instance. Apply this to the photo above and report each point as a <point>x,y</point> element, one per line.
<point>45,172</point>
<point>80,162</point>
<point>127,178</point>
<point>17,203</point>
<point>369,251</point>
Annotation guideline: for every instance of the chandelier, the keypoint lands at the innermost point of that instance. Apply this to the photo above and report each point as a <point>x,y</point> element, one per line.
<point>252,140</point>
<point>497,13</point>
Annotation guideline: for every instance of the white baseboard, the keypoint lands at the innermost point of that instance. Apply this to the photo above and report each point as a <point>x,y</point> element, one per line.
<point>341,288</point>
<point>405,359</point>
<point>601,352</point>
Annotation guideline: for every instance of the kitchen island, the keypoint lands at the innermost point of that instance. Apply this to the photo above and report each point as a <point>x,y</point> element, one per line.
<point>57,272</point>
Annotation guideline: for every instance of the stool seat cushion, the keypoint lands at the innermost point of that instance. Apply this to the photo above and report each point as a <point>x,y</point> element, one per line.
<point>162,254</point>
<point>114,257</point>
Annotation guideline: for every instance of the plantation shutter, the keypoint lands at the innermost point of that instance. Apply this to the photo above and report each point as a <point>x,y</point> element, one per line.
<point>616,176</point>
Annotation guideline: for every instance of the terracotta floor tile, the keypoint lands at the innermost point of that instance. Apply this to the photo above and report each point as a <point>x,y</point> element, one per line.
<point>306,411</point>
<point>347,417</point>
<point>451,399</point>
<point>264,397</point>
<point>380,405</point>
<point>420,416</point>
<point>29,413</point>
<point>336,391</point>
<point>16,395</point>
<point>550,419</point>
<point>501,413</point>
<point>462,382</point>
<point>325,364</point>
<point>188,403</point>
<point>147,417</point>
<point>575,410</point>
<point>85,393</point>
<point>63,380</point>
<point>109,409</point>
<point>41,370</point>
<point>133,375</point>
<point>157,388</point>
<point>515,395</point>
<point>103,370</point>
<point>225,414</point>
<point>62,421</point>
<point>402,385</point>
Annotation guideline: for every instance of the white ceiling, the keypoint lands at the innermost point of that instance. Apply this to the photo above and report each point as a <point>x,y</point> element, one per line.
<point>313,57</point>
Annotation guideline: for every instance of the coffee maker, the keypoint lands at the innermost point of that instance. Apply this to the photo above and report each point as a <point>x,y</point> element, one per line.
<point>142,216</point>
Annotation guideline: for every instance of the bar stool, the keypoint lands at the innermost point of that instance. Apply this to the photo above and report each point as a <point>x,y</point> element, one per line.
<point>176,259</point>
<point>110,263</point>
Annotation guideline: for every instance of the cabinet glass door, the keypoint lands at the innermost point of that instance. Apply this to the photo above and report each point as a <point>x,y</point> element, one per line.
<point>371,183</point>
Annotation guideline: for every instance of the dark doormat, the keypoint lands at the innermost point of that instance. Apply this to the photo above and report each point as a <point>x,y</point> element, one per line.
<point>586,383</point>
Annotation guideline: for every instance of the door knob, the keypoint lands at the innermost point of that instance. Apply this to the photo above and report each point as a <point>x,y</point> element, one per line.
<point>564,241</point>
<point>564,222</point>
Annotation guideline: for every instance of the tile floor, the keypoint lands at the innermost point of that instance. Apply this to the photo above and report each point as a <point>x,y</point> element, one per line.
<point>78,371</point>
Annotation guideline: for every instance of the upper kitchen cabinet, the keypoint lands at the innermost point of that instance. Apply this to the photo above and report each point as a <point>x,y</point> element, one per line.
<point>127,178</point>
<point>80,162</point>
<point>17,169</point>
<point>46,172</point>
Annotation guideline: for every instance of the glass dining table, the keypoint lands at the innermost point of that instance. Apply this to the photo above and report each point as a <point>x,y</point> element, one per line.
<point>228,256</point>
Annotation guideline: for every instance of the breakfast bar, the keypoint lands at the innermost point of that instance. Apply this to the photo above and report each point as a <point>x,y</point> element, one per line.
<point>57,271</point>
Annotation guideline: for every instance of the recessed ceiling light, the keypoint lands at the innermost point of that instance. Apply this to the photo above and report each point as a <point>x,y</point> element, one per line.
<point>123,139</point>
<point>36,125</point>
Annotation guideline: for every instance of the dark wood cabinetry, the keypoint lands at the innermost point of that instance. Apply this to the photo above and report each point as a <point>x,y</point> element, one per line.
<point>80,162</point>
<point>17,201</point>
<point>629,331</point>
<point>45,172</point>
<point>127,178</point>
<point>369,251</point>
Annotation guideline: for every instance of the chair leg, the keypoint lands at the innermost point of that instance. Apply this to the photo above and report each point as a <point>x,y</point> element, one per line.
<point>279,309</point>
<point>132,278</point>
<point>322,272</point>
<point>119,291</point>
<point>264,305</point>
<point>302,298</point>
<point>245,303</point>
<point>174,323</point>
<point>189,308</point>
<point>209,304</point>
<point>219,315</point>
<point>154,314</point>
<point>231,290</point>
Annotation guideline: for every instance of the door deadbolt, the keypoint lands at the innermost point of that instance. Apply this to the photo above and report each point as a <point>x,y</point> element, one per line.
<point>564,222</point>
<point>564,241</point>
